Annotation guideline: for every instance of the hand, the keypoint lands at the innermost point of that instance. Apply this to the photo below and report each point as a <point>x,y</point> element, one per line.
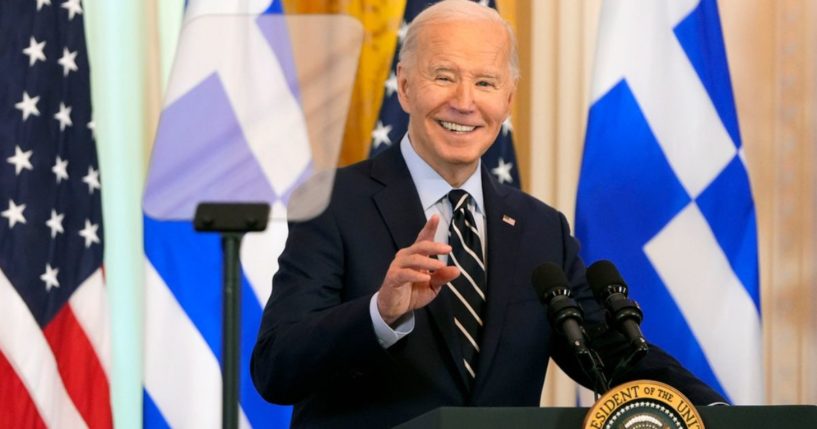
<point>415,276</point>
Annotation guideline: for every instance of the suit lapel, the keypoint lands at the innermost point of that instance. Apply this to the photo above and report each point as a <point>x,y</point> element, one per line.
<point>398,202</point>
<point>503,230</point>
<point>401,210</point>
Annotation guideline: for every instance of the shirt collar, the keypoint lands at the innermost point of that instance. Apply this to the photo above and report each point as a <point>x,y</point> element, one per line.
<point>431,186</point>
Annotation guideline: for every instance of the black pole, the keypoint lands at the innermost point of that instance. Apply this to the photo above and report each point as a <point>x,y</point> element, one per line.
<point>231,243</point>
<point>232,220</point>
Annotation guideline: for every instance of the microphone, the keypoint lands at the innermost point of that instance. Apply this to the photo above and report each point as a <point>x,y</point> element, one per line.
<point>611,290</point>
<point>564,313</point>
<point>566,317</point>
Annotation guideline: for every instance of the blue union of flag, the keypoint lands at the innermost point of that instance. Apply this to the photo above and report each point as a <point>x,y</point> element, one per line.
<point>664,190</point>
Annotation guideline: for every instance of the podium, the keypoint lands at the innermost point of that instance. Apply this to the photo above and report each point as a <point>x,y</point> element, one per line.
<point>717,417</point>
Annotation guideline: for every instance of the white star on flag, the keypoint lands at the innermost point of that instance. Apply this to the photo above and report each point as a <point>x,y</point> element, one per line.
<point>68,61</point>
<point>40,3</point>
<point>14,213</point>
<point>50,277</point>
<point>391,84</point>
<point>503,171</point>
<point>507,126</point>
<point>55,223</point>
<point>34,51</point>
<point>401,33</point>
<point>92,179</point>
<point>28,105</point>
<point>21,160</point>
<point>60,169</point>
<point>89,233</point>
<point>73,8</point>
<point>64,116</point>
<point>380,134</point>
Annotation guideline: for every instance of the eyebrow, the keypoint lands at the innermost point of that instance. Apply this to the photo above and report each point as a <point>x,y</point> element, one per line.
<point>480,75</point>
<point>443,68</point>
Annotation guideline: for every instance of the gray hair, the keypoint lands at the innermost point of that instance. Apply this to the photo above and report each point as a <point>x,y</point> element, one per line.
<point>456,10</point>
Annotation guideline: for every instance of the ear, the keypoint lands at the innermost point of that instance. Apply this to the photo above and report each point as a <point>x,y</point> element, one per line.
<point>509,105</point>
<point>403,87</point>
<point>511,95</point>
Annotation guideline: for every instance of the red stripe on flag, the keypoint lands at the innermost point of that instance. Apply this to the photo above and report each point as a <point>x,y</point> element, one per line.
<point>17,410</point>
<point>80,369</point>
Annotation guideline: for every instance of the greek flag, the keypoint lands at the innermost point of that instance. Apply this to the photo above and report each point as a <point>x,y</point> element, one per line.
<point>664,190</point>
<point>213,145</point>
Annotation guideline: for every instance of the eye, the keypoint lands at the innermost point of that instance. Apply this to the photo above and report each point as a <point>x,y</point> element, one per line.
<point>442,79</point>
<point>486,84</point>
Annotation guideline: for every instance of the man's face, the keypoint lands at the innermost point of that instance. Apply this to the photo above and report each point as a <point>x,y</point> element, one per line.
<point>457,92</point>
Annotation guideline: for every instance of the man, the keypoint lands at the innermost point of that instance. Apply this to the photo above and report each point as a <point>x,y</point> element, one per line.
<point>374,317</point>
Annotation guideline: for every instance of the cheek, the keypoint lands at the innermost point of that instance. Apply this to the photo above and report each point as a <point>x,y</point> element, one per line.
<point>428,98</point>
<point>494,101</point>
<point>497,108</point>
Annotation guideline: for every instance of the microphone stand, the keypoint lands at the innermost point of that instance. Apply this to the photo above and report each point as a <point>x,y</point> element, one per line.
<point>593,368</point>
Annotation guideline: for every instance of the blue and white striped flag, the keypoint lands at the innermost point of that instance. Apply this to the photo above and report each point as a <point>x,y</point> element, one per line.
<point>213,144</point>
<point>392,123</point>
<point>664,190</point>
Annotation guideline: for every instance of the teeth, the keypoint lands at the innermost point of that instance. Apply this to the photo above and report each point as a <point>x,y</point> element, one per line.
<point>456,127</point>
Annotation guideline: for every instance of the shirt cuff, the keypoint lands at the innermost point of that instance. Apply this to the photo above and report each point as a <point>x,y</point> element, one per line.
<point>387,336</point>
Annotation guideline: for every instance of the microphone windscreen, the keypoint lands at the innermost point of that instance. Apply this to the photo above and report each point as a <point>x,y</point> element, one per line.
<point>546,278</point>
<point>602,274</point>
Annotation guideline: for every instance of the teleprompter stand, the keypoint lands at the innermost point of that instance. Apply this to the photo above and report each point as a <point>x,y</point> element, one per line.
<point>232,221</point>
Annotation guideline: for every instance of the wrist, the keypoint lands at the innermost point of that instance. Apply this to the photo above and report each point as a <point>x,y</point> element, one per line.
<point>390,317</point>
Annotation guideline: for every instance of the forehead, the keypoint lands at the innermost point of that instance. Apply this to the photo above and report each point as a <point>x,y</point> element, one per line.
<point>472,43</point>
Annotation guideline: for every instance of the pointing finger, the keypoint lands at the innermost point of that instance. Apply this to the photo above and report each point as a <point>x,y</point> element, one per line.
<point>429,230</point>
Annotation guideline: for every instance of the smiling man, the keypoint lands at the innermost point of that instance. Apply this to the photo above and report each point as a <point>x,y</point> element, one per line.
<point>412,290</point>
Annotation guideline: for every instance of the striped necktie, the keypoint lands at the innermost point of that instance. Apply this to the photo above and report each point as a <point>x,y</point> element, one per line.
<point>469,288</point>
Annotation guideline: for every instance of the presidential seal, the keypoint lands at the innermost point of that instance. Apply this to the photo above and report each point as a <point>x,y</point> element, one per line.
<point>643,404</point>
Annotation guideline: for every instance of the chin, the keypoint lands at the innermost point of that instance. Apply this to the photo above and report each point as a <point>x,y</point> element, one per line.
<point>463,158</point>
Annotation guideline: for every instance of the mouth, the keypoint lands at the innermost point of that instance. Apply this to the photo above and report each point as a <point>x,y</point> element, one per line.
<point>457,128</point>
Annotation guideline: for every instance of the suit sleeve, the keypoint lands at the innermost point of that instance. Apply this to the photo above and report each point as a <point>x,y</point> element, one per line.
<point>309,333</point>
<point>613,347</point>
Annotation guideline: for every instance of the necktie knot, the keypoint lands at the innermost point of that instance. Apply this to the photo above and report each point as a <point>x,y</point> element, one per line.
<point>458,198</point>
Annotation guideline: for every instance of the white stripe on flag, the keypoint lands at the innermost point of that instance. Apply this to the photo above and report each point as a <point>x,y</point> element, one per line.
<point>716,306</point>
<point>260,251</point>
<point>197,8</point>
<point>90,306</point>
<point>181,373</point>
<point>29,354</point>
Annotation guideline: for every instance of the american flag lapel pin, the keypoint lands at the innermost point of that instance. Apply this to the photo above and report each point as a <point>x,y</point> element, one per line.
<point>509,220</point>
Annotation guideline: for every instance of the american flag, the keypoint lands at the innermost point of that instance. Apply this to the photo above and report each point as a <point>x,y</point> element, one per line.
<point>393,121</point>
<point>54,338</point>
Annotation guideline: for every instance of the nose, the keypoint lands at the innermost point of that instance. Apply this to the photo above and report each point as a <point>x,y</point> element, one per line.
<point>463,99</point>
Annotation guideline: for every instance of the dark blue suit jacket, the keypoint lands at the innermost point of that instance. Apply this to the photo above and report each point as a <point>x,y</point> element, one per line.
<point>317,348</point>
